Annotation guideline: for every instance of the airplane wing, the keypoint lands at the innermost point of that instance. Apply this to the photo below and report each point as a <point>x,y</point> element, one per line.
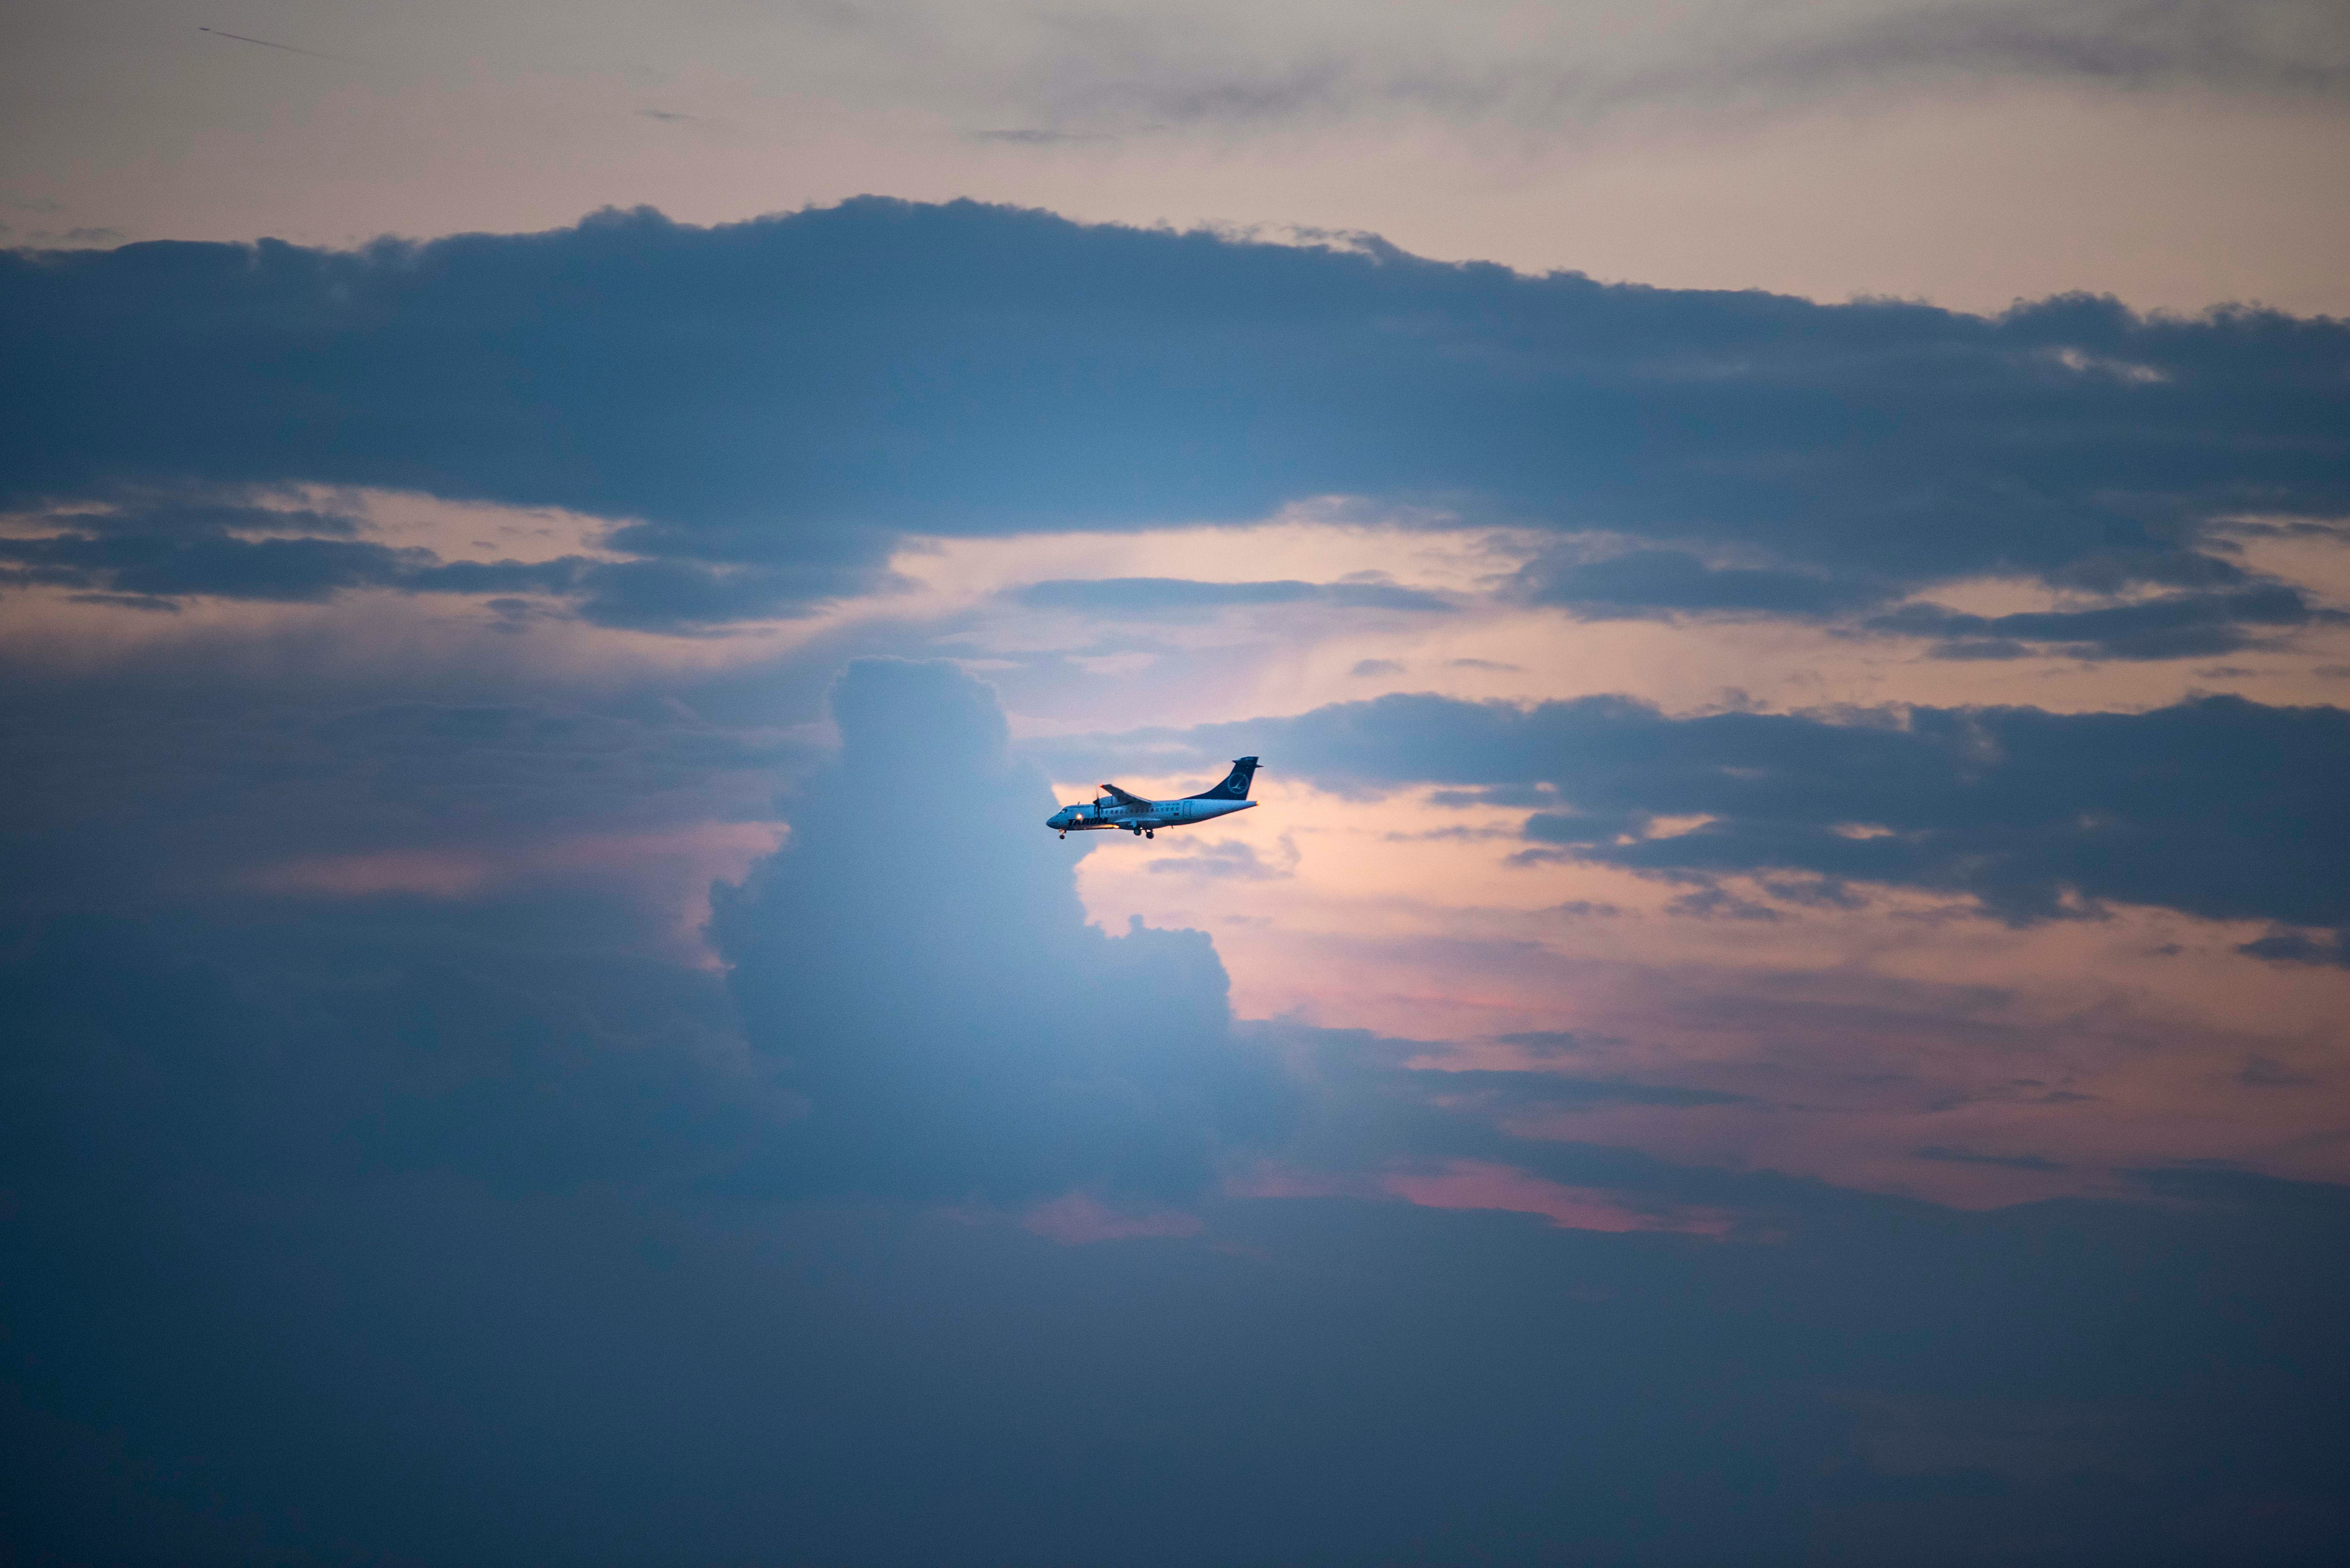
<point>1124,797</point>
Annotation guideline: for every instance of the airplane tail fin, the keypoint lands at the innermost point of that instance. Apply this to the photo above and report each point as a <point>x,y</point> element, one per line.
<point>1236,782</point>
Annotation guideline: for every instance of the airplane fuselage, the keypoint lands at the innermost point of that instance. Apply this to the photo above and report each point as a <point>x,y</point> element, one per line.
<point>1147,817</point>
<point>1115,807</point>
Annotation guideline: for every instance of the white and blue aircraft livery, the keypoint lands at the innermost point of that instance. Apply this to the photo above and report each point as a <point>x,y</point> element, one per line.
<point>1117,808</point>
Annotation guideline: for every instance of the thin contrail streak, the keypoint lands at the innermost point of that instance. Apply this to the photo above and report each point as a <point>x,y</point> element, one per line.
<point>266,43</point>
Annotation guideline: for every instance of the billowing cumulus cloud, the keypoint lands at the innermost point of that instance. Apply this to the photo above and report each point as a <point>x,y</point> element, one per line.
<point>991,1042</point>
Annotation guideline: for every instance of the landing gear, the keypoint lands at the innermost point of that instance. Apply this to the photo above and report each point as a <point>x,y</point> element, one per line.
<point>1064,835</point>
<point>1149,833</point>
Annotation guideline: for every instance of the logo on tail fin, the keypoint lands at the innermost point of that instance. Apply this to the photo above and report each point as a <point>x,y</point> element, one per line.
<point>1236,782</point>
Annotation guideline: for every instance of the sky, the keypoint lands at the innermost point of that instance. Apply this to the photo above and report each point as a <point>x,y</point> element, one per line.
<point>1782,1001</point>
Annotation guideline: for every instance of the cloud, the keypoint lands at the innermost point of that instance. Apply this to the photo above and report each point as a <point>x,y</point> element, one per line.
<point>2286,946</point>
<point>627,1258</point>
<point>1706,904</point>
<point>1003,1048</point>
<point>387,1174</point>
<point>1652,582</point>
<point>2217,806</point>
<point>1535,1091</point>
<point>1181,597</point>
<point>767,406</point>
<point>153,553</point>
<point>1968,1157</point>
<point>925,1013</point>
<point>158,565</point>
<point>1228,859</point>
<point>1031,136</point>
<point>1230,68</point>
<point>2175,625</point>
<point>514,1043</point>
<point>278,1249</point>
<point>193,773</point>
<point>2230,608</point>
<point>2289,47</point>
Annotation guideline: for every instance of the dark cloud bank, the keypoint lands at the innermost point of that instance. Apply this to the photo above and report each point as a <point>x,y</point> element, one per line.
<point>387,1229</point>
<point>773,402</point>
<point>2217,806</point>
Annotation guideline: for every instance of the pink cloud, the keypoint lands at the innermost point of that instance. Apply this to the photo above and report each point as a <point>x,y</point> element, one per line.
<point>1074,1219</point>
<point>1473,1184</point>
<point>430,873</point>
<point>1477,1184</point>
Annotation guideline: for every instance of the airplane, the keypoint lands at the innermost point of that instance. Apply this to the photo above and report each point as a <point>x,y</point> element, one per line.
<point>1117,808</point>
